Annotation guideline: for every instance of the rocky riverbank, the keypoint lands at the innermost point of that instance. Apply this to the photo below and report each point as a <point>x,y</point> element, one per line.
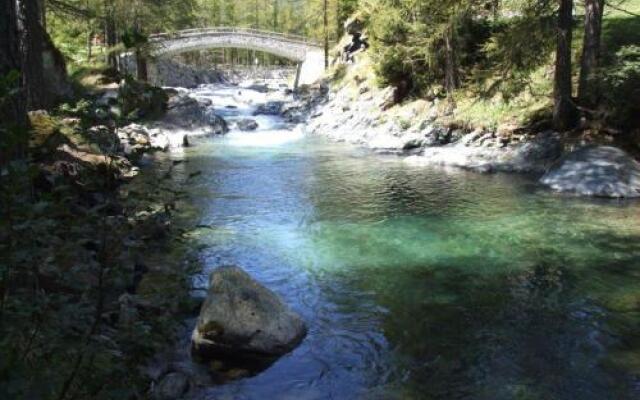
<point>357,111</point>
<point>101,244</point>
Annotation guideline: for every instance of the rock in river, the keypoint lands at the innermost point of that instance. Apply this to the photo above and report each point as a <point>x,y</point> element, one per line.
<point>241,318</point>
<point>172,387</point>
<point>601,171</point>
<point>247,125</point>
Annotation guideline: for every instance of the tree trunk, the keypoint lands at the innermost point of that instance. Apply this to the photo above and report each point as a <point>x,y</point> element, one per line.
<point>451,78</point>
<point>564,112</point>
<point>142,67</point>
<point>587,93</point>
<point>276,13</point>
<point>111,38</point>
<point>32,41</point>
<point>325,22</point>
<point>338,20</point>
<point>12,107</point>
<point>43,14</point>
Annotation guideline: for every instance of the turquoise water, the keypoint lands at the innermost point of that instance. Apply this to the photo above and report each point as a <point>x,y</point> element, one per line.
<point>421,283</point>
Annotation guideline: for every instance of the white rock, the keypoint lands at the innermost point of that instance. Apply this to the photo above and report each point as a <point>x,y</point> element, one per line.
<point>601,171</point>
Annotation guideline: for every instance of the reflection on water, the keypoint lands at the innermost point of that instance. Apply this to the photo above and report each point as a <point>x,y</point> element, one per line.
<point>422,283</point>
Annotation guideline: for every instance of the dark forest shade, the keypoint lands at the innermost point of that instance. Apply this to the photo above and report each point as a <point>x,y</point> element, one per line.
<point>13,108</point>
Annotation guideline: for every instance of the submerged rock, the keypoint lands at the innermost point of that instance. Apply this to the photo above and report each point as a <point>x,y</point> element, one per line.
<point>241,318</point>
<point>247,125</point>
<point>601,171</point>
<point>260,88</point>
<point>270,108</point>
<point>172,386</point>
<point>217,125</point>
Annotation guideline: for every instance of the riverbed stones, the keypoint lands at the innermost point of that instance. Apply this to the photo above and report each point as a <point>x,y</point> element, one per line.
<point>600,171</point>
<point>242,318</point>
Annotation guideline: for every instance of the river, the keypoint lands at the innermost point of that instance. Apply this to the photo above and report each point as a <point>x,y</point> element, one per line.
<point>418,283</point>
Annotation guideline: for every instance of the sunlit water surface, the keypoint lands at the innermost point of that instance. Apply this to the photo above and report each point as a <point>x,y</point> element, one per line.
<point>420,283</point>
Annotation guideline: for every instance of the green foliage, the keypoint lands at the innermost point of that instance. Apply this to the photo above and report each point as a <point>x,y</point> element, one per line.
<point>517,47</point>
<point>392,57</point>
<point>81,109</point>
<point>409,41</point>
<point>9,86</point>
<point>621,88</point>
<point>133,38</point>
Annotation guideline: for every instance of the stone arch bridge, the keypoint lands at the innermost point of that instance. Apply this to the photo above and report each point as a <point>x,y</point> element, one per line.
<point>308,54</point>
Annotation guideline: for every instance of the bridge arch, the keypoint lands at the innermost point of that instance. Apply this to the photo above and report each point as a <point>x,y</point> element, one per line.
<point>307,53</point>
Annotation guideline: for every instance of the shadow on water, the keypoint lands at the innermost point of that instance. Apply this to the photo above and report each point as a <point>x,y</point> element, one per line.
<point>526,334</point>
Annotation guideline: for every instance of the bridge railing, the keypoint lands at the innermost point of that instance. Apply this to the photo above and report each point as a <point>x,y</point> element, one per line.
<point>297,39</point>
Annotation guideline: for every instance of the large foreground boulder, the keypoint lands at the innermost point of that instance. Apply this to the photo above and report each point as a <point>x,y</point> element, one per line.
<point>600,171</point>
<point>242,318</point>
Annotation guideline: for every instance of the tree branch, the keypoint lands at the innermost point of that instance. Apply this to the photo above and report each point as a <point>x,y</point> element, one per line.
<point>70,9</point>
<point>622,10</point>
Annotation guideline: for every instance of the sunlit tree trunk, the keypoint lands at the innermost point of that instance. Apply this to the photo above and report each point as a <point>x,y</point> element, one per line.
<point>564,113</point>
<point>451,78</point>
<point>587,93</point>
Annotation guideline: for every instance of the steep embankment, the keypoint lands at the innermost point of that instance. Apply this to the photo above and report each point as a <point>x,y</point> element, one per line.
<point>358,111</point>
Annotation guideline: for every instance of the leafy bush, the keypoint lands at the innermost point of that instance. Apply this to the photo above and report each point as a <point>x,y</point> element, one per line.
<point>81,109</point>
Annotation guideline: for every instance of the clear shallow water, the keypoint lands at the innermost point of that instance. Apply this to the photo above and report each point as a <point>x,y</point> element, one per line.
<point>421,283</point>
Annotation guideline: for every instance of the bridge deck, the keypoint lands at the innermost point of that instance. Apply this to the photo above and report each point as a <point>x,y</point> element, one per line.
<point>218,31</point>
